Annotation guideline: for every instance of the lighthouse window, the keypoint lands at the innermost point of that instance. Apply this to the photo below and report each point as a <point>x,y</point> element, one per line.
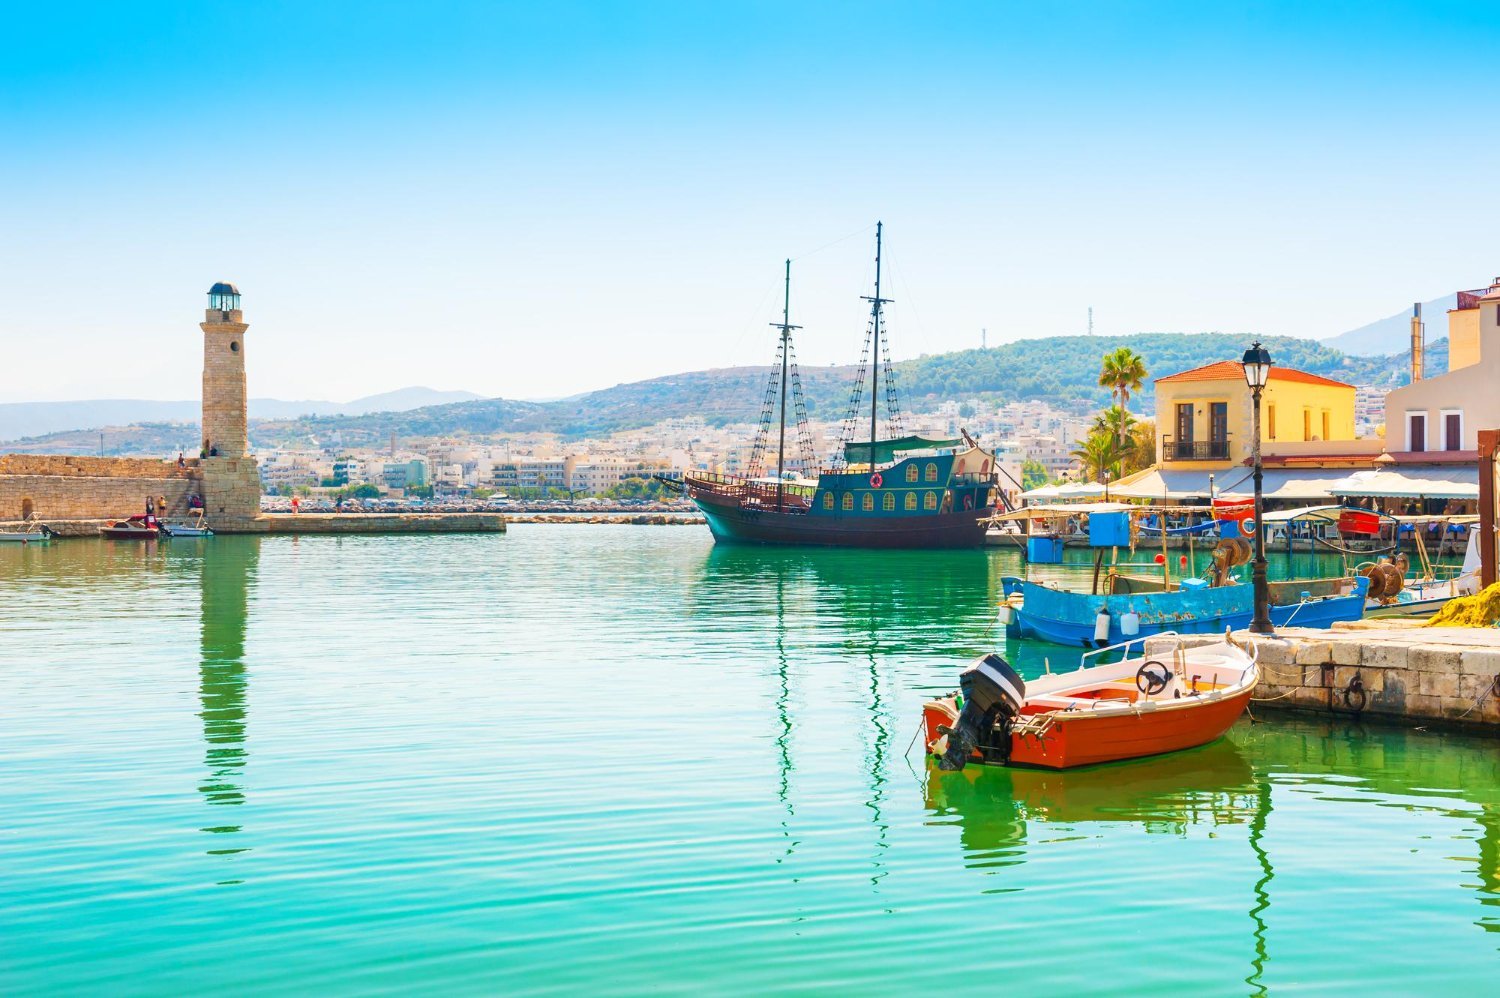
<point>868,503</point>
<point>911,473</point>
<point>234,346</point>
<point>911,500</point>
<point>931,473</point>
<point>929,500</point>
<point>889,502</point>
<point>828,500</point>
<point>848,502</point>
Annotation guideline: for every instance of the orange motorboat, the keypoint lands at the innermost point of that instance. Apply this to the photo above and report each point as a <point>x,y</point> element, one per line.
<point>1175,698</point>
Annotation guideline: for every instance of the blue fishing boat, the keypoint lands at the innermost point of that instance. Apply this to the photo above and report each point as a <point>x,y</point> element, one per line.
<point>1131,600</point>
<point>1079,619</point>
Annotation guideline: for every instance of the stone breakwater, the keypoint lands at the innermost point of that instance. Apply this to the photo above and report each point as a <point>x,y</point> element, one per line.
<point>644,519</point>
<point>376,523</point>
<point>1390,670</point>
<point>323,523</point>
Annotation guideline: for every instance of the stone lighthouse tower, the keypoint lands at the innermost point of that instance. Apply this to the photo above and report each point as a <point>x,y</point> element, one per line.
<point>231,482</point>
<point>224,400</point>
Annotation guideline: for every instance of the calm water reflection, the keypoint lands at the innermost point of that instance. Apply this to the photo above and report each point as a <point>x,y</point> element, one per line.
<point>624,760</point>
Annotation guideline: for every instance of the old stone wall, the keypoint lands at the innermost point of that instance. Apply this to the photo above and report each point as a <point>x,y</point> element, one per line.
<point>94,467</point>
<point>62,487</point>
<point>83,497</point>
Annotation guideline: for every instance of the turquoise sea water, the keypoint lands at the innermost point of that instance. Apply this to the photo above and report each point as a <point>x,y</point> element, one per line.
<point>620,760</point>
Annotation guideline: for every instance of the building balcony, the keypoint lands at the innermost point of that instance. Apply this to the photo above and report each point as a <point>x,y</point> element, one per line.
<point>1194,450</point>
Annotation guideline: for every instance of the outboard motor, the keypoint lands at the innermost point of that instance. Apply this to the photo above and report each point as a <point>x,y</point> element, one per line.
<point>993,693</point>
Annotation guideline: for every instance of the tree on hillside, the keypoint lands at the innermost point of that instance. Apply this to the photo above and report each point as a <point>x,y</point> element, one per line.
<point>1033,474</point>
<point>1122,372</point>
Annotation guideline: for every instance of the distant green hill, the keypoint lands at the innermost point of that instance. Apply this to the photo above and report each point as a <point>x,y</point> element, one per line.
<point>1059,369</point>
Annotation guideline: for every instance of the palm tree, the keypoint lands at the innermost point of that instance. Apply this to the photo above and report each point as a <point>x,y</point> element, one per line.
<point>1098,454</point>
<point>1123,372</point>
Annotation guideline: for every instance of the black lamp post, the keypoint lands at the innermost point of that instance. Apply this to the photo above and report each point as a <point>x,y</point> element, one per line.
<point>1257,363</point>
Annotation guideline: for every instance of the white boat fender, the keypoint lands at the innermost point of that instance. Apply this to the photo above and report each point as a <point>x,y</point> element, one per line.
<point>1007,614</point>
<point>1101,626</point>
<point>1130,623</point>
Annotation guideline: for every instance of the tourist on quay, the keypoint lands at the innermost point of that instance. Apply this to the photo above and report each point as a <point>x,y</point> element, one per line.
<point>296,505</point>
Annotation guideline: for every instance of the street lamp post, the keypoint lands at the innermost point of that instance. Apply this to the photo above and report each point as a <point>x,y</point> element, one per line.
<point>1257,364</point>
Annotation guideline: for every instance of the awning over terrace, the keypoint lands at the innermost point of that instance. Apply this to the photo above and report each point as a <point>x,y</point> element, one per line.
<point>1413,482</point>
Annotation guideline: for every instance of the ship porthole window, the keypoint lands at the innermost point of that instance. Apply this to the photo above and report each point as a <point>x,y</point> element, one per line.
<point>848,502</point>
<point>234,346</point>
<point>931,473</point>
<point>911,500</point>
<point>828,500</point>
<point>889,502</point>
<point>911,473</point>
<point>929,500</point>
<point>868,503</point>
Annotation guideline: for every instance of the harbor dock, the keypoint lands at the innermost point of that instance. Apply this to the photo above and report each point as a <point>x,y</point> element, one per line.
<point>1386,669</point>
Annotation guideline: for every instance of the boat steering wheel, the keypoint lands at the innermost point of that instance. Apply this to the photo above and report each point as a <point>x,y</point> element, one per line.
<point>1152,677</point>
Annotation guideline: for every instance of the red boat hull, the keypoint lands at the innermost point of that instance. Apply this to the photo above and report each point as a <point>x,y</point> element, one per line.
<point>1084,739</point>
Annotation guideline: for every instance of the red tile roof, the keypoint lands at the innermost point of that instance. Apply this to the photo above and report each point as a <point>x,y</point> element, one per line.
<point>1233,370</point>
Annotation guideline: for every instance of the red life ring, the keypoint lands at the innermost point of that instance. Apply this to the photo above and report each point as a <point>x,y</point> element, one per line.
<point>968,502</point>
<point>876,481</point>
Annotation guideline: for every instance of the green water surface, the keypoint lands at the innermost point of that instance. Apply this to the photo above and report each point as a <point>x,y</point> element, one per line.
<point>621,760</point>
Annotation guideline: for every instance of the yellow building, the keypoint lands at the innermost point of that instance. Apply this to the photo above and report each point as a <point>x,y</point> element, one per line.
<point>1203,416</point>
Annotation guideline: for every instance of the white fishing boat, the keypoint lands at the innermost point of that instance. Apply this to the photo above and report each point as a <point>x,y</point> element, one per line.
<point>34,531</point>
<point>198,528</point>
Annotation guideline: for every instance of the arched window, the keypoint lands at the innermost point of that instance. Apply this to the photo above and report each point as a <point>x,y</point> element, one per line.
<point>889,502</point>
<point>828,500</point>
<point>931,473</point>
<point>848,502</point>
<point>911,500</point>
<point>911,472</point>
<point>868,502</point>
<point>929,499</point>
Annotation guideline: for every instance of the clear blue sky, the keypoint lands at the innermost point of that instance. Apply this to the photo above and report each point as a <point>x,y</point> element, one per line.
<point>538,199</point>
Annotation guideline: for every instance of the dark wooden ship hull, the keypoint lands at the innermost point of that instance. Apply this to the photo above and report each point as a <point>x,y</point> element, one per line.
<point>735,523</point>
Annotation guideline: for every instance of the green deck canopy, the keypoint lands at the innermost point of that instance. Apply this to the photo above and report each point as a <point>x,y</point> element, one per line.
<point>885,450</point>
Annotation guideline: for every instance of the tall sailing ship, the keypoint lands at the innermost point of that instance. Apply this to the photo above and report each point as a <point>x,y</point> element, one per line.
<point>898,491</point>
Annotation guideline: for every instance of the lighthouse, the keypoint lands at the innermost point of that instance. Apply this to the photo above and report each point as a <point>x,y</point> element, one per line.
<point>231,481</point>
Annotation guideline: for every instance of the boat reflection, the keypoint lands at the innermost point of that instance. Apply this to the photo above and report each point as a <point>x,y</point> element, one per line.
<point>995,807</point>
<point>227,574</point>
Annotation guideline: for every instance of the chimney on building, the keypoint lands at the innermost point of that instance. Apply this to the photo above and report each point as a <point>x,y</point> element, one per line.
<point>1417,342</point>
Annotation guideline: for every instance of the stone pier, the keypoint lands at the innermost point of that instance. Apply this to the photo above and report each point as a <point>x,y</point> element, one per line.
<point>1383,669</point>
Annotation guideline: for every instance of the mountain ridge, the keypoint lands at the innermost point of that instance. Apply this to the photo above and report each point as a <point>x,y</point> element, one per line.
<point>1061,370</point>
<point>20,420</point>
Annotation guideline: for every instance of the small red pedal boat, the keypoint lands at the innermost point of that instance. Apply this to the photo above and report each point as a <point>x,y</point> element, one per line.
<point>137,528</point>
<point>1174,698</point>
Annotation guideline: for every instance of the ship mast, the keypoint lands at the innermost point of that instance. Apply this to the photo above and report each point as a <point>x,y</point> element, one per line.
<point>786,327</point>
<point>875,304</point>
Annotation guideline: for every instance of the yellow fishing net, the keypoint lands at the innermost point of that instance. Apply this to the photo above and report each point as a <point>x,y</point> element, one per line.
<point>1480,610</point>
